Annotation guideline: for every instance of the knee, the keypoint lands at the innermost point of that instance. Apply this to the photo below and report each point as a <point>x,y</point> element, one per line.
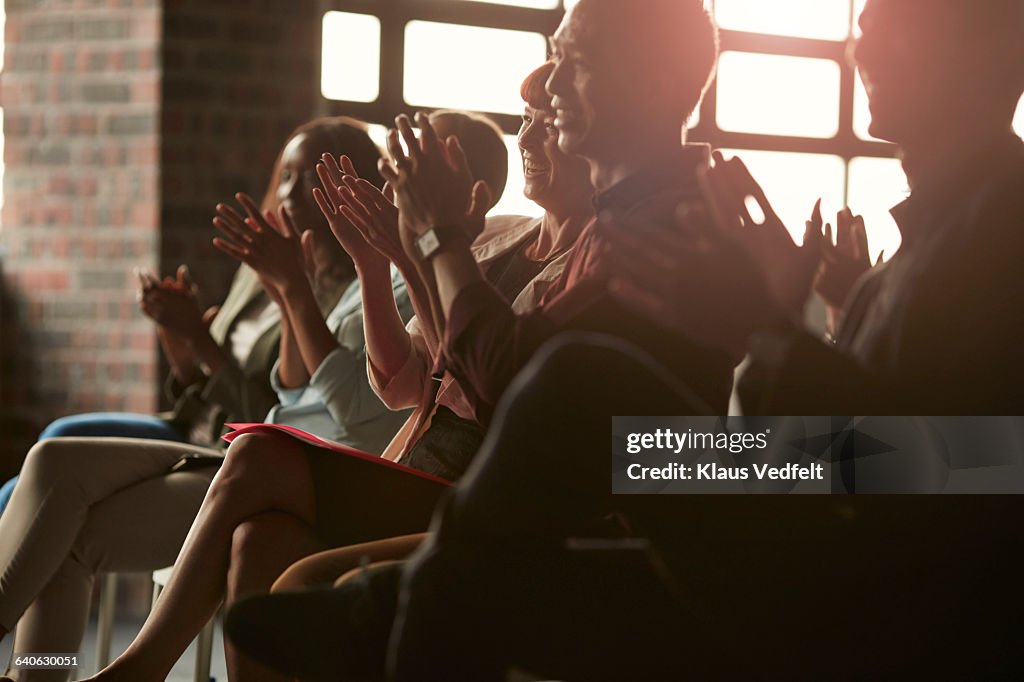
<point>252,457</point>
<point>51,462</point>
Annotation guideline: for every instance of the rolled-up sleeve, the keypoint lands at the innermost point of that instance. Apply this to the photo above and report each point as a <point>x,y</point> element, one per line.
<point>405,388</point>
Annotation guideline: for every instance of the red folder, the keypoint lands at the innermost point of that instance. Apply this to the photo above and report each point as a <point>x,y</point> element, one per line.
<point>319,442</point>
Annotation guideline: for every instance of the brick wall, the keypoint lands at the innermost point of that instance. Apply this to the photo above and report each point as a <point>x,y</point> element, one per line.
<point>125,122</point>
<point>239,75</point>
<point>81,94</point>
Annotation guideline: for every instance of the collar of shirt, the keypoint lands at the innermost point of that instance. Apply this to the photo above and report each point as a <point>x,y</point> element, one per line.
<point>677,171</point>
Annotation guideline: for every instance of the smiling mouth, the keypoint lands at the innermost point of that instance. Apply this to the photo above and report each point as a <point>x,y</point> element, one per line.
<point>532,170</point>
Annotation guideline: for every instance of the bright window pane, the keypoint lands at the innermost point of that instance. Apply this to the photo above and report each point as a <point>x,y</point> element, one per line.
<point>512,201</point>
<point>466,67</point>
<point>861,111</point>
<point>1018,120</point>
<point>858,9</point>
<point>824,19</point>
<point>876,185</point>
<point>778,95</point>
<point>793,182</point>
<point>351,57</point>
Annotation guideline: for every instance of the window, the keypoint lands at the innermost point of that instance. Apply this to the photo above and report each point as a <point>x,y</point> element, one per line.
<point>823,19</point>
<point>778,95</point>
<point>786,99</point>
<point>439,71</point>
<point>351,57</point>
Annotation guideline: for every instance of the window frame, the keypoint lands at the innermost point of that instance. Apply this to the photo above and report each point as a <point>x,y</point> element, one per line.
<point>395,14</point>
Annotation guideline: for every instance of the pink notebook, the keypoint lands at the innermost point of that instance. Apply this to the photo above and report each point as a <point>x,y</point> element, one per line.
<point>319,442</point>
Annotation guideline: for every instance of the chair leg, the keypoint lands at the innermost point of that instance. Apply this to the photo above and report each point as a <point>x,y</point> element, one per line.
<point>204,651</point>
<point>105,627</point>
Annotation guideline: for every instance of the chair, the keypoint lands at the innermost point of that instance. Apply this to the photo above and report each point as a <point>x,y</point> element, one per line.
<point>108,602</point>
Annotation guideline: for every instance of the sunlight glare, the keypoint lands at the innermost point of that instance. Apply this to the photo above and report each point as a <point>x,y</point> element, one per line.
<point>468,67</point>
<point>778,95</point>
<point>822,19</point>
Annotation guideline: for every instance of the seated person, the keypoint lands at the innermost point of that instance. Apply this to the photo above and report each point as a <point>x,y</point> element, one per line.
<point>86,505</point>
<point>327,495</point>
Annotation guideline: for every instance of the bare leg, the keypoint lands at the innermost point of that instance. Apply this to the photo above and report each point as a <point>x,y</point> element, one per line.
<point>262,547</point>
<point>325,568</point>
<point>261,473</point>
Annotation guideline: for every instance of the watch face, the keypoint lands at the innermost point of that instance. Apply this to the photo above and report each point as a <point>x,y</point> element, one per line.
<point>428,244</point>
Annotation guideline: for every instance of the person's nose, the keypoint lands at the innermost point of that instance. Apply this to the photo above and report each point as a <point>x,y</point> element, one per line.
<point>556,81</point>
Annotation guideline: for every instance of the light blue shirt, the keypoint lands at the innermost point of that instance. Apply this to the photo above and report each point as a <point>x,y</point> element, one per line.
<point>338,402</point>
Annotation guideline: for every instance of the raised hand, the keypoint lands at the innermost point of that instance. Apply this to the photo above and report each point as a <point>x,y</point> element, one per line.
<point>843,262</point>
<point>432,183</point>
<point>267,243</point>
<point>788,269</point>
<point>173,303</point>
<point>356,211</point>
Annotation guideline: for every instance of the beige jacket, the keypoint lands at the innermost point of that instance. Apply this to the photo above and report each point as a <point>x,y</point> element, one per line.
<point>413,385</point>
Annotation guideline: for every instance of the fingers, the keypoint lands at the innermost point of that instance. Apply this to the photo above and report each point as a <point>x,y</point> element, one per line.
<point>255,221</point>
<point>209,314</point>
<point>394,146</point>
<point>308,241</point>
<point>389,173</point>
<point>348,167</point>
<point>429,140</point>
<point>289,228</point>
<point>330,189</point>
<point>236,252</point>
<point>816,218</point>
<point>334,171</point>
<point>325,205</point>
<point>860,239</point>
<point>409,135</point>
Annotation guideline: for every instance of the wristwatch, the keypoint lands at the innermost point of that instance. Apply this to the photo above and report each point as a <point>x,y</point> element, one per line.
<point>433,240</point>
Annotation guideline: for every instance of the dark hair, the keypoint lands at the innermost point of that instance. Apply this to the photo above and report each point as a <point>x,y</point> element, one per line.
<point>534,89</point>
<point>484,145</point>
<point>337,135</point>
<point>673,43</point>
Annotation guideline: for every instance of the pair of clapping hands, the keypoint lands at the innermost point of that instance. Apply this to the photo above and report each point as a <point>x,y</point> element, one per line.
<point>731,273</point>
<point>428,185</point>
<point>173,303</point>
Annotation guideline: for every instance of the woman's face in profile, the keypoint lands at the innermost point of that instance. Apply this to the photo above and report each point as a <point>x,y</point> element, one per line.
<point>297,180</point>
<point>548,171</point>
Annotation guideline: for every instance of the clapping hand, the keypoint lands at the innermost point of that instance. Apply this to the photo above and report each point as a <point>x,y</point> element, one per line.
<point>843,262</point>
<point>788,269</point>
<point>269,244</point>
<point>173,303</point>
<point>432,183</point>
<point>362,218</point>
